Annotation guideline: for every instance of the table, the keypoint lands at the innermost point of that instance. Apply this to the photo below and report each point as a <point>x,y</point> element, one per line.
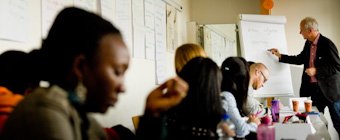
<point>318,122</point>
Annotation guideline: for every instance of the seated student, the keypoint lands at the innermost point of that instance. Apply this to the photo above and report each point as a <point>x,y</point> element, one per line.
<point>234,86</point>
<point>85,60</point>
<point>197,116</point>
<point>186,52</point>
<point>201,108</point>
<point>16,72</point>
<point>15,81</point>
<point>259,74</point>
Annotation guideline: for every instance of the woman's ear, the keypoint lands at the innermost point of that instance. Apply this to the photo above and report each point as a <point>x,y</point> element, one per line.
<point>78,66</point>
<point>257,72</point>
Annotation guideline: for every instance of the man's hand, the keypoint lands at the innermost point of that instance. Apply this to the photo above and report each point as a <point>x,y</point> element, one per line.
<point>275,52</point>
<point>311,71</point>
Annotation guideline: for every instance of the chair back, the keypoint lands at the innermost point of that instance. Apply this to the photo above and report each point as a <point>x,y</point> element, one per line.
<point>135,121</point>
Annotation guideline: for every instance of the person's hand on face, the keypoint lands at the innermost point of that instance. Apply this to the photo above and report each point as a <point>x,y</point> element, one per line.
<point>166,96</point>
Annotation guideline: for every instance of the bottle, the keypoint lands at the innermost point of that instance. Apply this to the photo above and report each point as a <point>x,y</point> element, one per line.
<point>275,110</point>
<point>225,123</point>
<point>266,131</point>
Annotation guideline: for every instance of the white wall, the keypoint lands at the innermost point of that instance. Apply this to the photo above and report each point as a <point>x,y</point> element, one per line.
<point>326,12</point>
<point>222,11</point>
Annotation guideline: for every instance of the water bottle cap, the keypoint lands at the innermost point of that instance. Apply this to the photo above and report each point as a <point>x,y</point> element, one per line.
<point>275,101</point>
<point>266,120</point>
<point>225,116</point>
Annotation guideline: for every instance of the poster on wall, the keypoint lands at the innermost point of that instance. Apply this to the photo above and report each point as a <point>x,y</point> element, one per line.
<point>138,28</point>
<point>149,29</point>
<point>220,41</point>
<point>160,31</point>
<point>123,21</point>
<point>89,5</point>
<point>171,28</point>
<point>107,9</point>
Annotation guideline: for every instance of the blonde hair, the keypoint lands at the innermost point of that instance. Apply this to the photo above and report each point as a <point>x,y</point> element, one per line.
<point>185,53</point>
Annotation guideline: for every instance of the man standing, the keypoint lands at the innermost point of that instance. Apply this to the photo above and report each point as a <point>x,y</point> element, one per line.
<point>321,77</point>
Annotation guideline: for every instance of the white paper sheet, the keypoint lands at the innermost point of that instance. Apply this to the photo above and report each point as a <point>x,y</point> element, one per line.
<point>218,49</point>
<point>150,29</point>
<point>138,29</point>
<point>14,20</point>
<point>107,9</point>
<point>49,10</point>
<point>256,38</point>
<point>171,24</point>
<point>123,20</point>
<point>89,5</point>
<point>160,30</point>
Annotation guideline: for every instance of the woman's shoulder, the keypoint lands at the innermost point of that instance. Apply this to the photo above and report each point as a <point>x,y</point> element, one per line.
<point>51,95</point>
<point>228,100</point>
<point>46,111</point>
<point>226,95</point>
<point>52,98</point>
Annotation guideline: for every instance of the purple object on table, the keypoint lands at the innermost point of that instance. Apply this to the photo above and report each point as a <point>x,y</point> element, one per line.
<point>275,110</point>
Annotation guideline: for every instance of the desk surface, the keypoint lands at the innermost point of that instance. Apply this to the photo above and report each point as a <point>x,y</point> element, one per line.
<point>320,126</point>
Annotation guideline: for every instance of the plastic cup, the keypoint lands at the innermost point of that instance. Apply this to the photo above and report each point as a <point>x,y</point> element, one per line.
<point>295,105</point>
<point>308,105</point>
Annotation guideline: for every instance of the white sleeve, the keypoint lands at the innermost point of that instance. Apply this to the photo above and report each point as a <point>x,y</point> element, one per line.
<point>253,106</point>
<point>229,105</point>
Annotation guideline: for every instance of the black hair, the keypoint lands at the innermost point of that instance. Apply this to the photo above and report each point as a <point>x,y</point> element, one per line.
<point>11,72</point>
<point>202,106</point>
<point>16,72</point>
<point>235,71</point>
<point>74,31</point>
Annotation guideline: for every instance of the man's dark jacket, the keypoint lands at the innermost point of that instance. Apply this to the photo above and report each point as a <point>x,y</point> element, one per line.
<point>327,64</point>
